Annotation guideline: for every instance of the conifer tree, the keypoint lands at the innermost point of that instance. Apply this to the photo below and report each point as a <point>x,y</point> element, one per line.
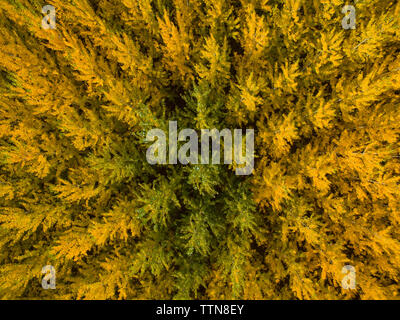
<point>76,189</point>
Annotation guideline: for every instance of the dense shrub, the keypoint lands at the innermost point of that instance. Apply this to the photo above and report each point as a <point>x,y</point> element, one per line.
<point>77,193</point>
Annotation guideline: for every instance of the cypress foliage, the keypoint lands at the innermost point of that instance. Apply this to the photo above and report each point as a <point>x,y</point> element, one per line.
<point>76,190</point>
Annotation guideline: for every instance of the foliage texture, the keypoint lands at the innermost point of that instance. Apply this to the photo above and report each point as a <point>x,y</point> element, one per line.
<point>76,191</point>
